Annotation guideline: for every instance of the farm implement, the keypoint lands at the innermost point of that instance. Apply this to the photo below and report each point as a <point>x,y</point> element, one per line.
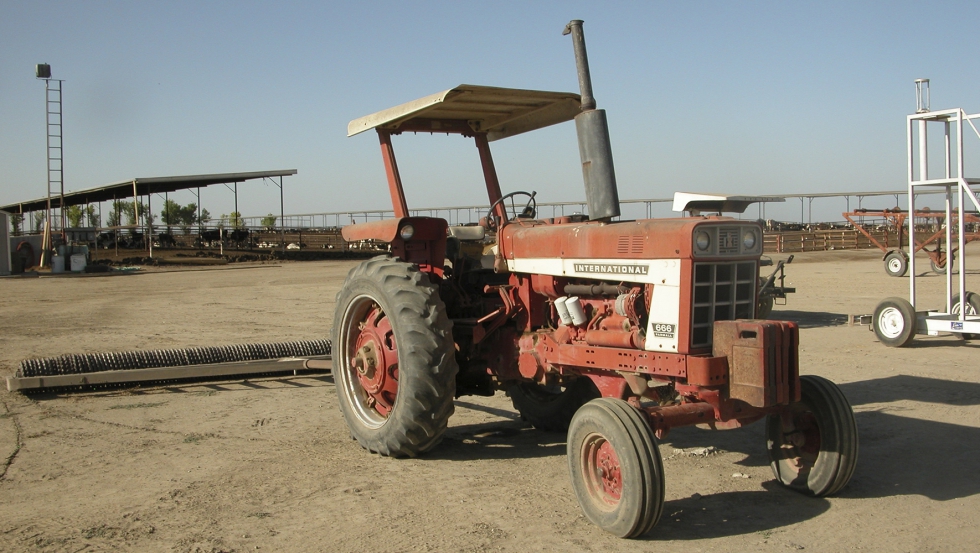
<point>168,365</point>
<point>896,258</point>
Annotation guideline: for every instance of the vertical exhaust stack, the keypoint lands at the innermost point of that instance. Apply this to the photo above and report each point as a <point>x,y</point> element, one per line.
<point>593,138</point>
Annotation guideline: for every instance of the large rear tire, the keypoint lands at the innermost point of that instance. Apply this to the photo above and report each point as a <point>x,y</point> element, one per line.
<point>616,468</point>
<point>394,365</point>
<point>813,445</point>
<point>551,410</point>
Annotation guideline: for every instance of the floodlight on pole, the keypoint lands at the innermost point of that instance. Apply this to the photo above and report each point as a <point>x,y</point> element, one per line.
<point>922,95</point>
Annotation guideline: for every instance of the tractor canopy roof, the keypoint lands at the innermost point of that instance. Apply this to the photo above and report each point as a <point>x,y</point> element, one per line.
<point>468,109</point>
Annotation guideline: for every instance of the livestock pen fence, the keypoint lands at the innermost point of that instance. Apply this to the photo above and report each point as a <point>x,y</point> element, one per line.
<point>777,240</point>
<point>322,231</point>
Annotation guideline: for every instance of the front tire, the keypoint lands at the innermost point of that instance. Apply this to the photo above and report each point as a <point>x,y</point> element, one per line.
<point>394,365</point>
<point>616,468</point>
<point>970,307</point>
<point>896,264</point>
<point>764,308</point>
<point>552,410</point>
<point>894,322</point>
<point>813,445</point>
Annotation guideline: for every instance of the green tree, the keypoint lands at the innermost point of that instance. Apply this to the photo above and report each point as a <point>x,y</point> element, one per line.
<point>235,220</point>
<point>92,216</point>
<point>175,214</point>
<point>75,214</point>
<point>170,215</point>
<point>17,221</point>
<point>144,215</point>
<point>269,222</point>
<point>39,217</point>
<point>205,217</point>
<point>119,209</point>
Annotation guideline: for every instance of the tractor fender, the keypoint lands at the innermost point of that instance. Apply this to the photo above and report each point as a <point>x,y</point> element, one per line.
<point>387,230</point>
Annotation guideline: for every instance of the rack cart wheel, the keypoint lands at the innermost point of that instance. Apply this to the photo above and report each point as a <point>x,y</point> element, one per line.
<point>394,362</point>
<point>940,267</point>
<point>894,322</point>
<point>972,307</point>
<point>813,444</point>
<point>616,469</point>
<point>896,264</point>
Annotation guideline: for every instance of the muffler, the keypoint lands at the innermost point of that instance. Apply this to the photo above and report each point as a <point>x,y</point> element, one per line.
<point>594,147</point>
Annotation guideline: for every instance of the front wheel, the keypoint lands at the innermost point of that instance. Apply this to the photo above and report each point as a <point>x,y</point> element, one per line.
<point>616,468</point>
<point>764,308</point>
<point>813,444</point>
<point>394,365</point>
<point>894,322</point>
<point>970,307</point>
<point>896,264</point>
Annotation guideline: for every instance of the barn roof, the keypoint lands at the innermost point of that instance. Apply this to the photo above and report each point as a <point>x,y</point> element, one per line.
<point>142,186</point>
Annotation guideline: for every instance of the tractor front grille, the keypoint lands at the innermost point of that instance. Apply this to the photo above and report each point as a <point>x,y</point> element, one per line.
<point>722,292</point>
<point>728,241</point>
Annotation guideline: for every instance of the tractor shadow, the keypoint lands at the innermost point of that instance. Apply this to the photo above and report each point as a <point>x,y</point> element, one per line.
<point>893,448</point>
<point>511,438</point>
<point>894,453</point>
<point>734,513</point>
<point>899,455</point>
<point>810,319</point>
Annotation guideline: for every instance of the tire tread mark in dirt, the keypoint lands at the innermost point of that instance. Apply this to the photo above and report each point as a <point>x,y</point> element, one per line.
<point>17,437</point>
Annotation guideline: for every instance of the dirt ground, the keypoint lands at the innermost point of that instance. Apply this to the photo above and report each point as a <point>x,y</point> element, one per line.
<point>268,465</point>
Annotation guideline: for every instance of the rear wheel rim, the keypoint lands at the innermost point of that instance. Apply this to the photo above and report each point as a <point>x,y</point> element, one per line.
<point>602,471</point>
<point>370,361</point>
<point>891,323</point>
<point>800,442</point>
<point>895,265</point>
<point>965,307</point>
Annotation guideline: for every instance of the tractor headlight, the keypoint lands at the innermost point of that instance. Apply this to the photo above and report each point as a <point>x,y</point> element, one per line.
<point>748,239</point>
<point>702,241</point>
<point>407,232</point>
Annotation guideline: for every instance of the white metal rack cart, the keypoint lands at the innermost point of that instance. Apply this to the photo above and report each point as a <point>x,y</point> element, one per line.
<point>896,321</point>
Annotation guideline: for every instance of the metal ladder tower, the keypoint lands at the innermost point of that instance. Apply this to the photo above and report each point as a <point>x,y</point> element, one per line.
<point>56,182</point>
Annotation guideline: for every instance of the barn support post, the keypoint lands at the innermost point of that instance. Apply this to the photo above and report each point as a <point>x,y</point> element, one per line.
<point>149,220</point>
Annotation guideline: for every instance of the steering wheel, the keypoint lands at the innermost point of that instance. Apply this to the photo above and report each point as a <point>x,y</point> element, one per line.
<point>529,211</point>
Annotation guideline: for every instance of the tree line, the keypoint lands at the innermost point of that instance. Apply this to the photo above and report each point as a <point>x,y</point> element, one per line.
<point>173,215</point>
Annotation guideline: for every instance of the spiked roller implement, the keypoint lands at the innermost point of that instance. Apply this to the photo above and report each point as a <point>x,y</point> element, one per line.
<point>170,364</point>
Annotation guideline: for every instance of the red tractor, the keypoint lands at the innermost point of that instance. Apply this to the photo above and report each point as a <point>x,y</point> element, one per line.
<point>616,331</point>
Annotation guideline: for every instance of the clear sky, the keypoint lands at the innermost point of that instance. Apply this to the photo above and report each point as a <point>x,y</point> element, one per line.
<point>733,97</point>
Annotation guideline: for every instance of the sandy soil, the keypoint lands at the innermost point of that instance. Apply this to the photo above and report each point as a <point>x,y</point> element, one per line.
<point>268,465</point>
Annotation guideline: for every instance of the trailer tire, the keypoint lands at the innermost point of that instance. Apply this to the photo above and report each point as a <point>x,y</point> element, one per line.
<point>813,445</point>
<point>616,469</point>
<point>552,411</point>
<point>972,307</point>
<point>764,307</point>
<point>394,364</point>
<point>26,253</point>
<point>896,264</point>
<point>894,322</point>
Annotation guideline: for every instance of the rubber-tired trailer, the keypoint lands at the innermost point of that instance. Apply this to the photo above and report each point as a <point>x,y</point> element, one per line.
<point>616,331</point>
